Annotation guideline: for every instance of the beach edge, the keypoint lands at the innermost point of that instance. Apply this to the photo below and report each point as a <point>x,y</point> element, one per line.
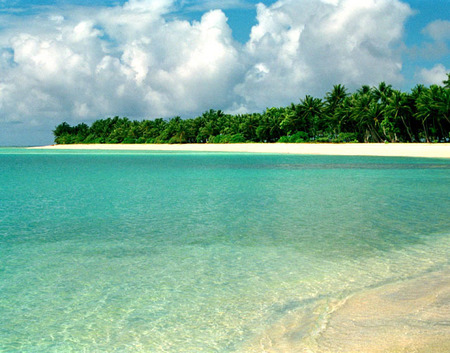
<point>420,150</point>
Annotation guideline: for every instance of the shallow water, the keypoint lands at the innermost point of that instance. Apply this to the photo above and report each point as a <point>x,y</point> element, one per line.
<point>188,252</point>
<point>404,316</point>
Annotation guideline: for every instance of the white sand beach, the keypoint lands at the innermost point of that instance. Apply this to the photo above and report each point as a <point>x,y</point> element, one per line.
<point>424,150</point>
<point>409,316</point>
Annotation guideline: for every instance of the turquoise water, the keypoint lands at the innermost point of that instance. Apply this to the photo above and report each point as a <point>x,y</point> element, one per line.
<point>183,252</point>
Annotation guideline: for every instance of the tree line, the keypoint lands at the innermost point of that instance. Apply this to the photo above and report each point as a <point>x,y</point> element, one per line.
<point>371,114</point>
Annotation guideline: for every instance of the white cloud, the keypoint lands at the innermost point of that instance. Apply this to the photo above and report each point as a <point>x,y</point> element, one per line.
<point>438,30</point>
<point>84,63</point>
<point>434,76</point>
<point>307,46</point>
<point>125,60</point>
<point>206,5</point>
<point>437,48</point>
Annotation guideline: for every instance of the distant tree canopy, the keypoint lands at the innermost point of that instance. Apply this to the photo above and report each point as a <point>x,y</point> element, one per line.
<point>371,114</point>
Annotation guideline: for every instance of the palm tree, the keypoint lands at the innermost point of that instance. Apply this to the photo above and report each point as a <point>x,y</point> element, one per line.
<point>365,89</point>
<point>333,102</point>
<point>397,108</point>
<point>336,96</point>
<point>269,125</point>
<point>311,110</point>
<point>382,92</point>
<point>441,105</point>
<point>426,112</point>
<point>367,114</point>
<point>290,121</point>
<point>447,81</point>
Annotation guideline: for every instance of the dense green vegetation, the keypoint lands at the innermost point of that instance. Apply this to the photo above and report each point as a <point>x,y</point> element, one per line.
<point>371,114</point>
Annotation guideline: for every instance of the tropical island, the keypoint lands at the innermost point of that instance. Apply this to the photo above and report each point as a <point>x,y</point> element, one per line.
<point>369,115</point>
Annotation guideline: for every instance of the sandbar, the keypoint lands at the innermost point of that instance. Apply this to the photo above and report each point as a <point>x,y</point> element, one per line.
<point>422,150</point>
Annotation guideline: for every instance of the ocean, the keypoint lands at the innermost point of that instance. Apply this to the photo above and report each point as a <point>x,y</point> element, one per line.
<point>116,251</point>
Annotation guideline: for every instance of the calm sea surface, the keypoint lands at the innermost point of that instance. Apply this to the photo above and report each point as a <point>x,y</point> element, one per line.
<point>183,252</point>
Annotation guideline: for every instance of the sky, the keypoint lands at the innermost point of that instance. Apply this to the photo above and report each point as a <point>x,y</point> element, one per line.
<point>82,60</point>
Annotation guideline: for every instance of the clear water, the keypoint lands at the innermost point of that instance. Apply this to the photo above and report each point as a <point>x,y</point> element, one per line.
<point>183,252</point>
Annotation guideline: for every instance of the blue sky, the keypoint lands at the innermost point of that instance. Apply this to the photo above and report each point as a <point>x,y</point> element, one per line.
<point>242,18</point>
<point>80,60</point>
<point>241,14</point>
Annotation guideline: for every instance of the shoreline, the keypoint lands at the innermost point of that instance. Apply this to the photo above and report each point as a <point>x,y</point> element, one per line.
<point>419,150</point>
<point>404,316</point>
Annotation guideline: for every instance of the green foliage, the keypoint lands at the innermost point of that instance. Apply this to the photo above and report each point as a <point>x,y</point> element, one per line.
<point>236,138</point>
<point>284,139</point>
<point>298,137</point>
<point>345,137</point>
<point>371,114</point>
<point>129,140</point>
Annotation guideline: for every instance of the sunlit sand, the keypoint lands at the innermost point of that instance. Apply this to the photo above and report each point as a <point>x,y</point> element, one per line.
<point>410,316</point>
<point>441,150</point>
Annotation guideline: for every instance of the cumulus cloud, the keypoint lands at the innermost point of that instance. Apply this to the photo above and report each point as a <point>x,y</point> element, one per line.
<point>124,60</point>
<point>436,45</point>
<point>439,30</point>
<point>301,47</point>
<point>80,64</point>
<point>434,76</point>
<point>436,50</point>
